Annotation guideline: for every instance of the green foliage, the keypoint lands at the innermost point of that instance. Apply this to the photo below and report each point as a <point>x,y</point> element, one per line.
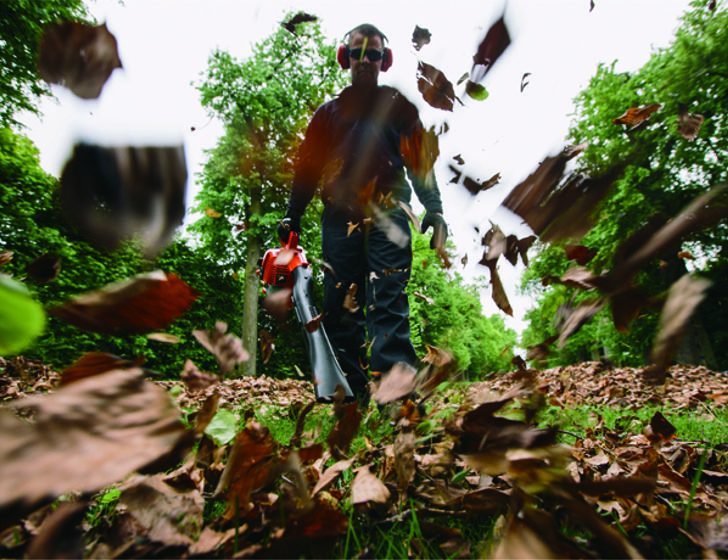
<point>31,224</point>
<point>665,171</point>
<point>21,25</point>
<point>454,320</point>
<point>265,103</point>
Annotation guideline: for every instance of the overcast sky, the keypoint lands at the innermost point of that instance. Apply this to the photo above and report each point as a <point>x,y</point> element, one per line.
<point>164,46</point>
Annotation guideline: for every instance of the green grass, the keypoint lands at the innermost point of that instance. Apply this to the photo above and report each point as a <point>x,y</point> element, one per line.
<point>707,424</point>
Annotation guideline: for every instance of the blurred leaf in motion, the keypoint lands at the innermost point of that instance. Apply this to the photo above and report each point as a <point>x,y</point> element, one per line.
<point>144,303</point>
<point>112,194</point>
<point>78,56</point>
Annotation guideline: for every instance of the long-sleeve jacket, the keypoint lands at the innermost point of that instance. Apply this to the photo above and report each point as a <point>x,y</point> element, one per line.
<point>353,151</point>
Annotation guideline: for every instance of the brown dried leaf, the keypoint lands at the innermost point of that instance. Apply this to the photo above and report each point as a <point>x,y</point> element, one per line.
<point>144,303</point>
<point>251,466</point>
<point>404,459</point>
<point>5,257</point>
<point>350,303</point>
<point>475,187</point>
<point>578,317</point>
<point>94,363</point>
<point>398,382</point>
<point>196,380</point>
<point>212,213</point>
<point>331,474</point>
<point>78,56</point>
<point>637,115</point>
<point>227,348</point>
<point>420,37</point>
<point>116,193</point>
<point>44,269</point>
<point>352,228</point>
<point>366,487</point>
<point>556,209</point>
<point>435,88</point>
<point>85,436</point>
<point>343,432</point>
<point>579,253</point>
<point>300,17</point>
<point>683,298</point>
<point>164,337</point>
<point>492,46</point>
<point>689,124</point>
<point>267,344</point>
<point>278,304</point>
<point>160,512</point>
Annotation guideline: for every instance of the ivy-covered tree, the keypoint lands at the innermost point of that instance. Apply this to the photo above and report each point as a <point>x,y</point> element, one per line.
<point>265,103</point>
<point>21,25</point>
<point>671,160</point>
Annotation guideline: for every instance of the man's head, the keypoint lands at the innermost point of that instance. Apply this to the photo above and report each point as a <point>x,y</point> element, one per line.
<point>365,54</point>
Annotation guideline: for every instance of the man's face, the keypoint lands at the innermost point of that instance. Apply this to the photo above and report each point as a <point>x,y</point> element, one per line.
<point>363,70</point>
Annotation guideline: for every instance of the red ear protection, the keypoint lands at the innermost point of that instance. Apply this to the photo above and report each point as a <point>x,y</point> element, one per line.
<point>342,57</point>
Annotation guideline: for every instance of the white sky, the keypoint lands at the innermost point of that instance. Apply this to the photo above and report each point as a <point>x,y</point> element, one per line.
<point>164,46</point>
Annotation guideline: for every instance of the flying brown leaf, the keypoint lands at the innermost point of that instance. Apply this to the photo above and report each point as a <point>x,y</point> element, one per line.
<point>164,337</point>
<point>343,432</point>
<point>420,37</point>
<point>78,56</point>
<point>683,298</point>
<point>250,466</point>
<point>492,46</point>
<point>351,228</point>
<point>659,429</point>
<point>398,382</point>
<point>5,257</point>
<point>117,193</point>
<point>267,345</point>
<point>94,363</point>
<point>332,473</point>
<point>579,253</point>
<point>142,304</point>
<point>350,303</point>
<point>404,459</point>
<point>278,304</point>
<point>366,487</point>
<point>578,317</point>
<point>44,269</point>
<point>689,124</point>
<point>524,81</point>
<point>637,115</point>
<point>435,88</point>
<point>686,255</point>
<point>161,512</point>
<point>300,17</point>
<point>227,348</point>
<point>420,150</point>
<point>212,213</point>
<point>84,437</point>
<point>558,207</point>
<point>196,380</point>
<point>499,293</point>
<point>474,187</point>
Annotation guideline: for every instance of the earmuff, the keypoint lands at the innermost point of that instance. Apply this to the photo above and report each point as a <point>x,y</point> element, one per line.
<point>342,57</point>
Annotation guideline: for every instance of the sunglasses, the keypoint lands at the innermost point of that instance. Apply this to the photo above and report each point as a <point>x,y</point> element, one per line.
<point>372,54</point>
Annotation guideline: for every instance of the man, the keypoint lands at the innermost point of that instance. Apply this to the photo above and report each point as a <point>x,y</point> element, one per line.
<point>353,152</point>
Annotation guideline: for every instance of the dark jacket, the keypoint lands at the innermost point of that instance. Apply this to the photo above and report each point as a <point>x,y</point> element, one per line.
<point>352,152</point>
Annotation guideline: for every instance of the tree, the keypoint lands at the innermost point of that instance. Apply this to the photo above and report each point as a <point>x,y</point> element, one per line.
<point>21,25</point>
<point>265,103</point>
<point>666,168</point>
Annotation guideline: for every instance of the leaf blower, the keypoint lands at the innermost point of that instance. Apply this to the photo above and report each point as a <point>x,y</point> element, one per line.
<point>287,268</point>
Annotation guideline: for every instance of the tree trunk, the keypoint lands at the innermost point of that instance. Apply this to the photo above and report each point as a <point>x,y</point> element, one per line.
<point>251,287</point>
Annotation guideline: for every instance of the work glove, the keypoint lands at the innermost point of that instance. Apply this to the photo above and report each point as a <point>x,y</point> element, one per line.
<point>286,226</point>
<point>439,229</point>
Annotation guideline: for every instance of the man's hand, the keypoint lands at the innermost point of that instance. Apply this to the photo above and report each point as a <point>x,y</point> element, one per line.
<point>286,226</point>
<point>439,229</point>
